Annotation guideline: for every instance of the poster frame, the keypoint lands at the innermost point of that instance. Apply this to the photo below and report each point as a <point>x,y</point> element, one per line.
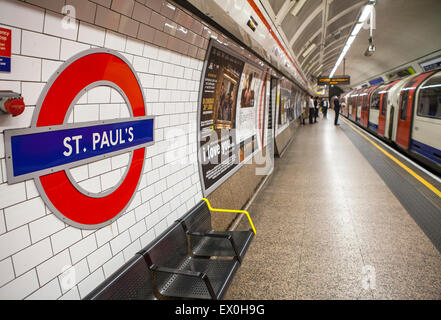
<point>213,43</point>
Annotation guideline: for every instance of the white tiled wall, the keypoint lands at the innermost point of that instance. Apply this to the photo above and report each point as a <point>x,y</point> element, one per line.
<point>36,248</point>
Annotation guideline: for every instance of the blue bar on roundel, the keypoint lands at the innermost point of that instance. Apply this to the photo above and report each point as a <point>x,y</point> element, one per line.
<point>34,152</point>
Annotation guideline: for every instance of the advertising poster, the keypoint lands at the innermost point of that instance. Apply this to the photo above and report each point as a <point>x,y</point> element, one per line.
<point>248,110</point>
<point>220,90</point>
<point>5,50</point>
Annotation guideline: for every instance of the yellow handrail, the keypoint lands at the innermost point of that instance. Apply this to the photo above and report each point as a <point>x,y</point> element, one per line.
<point>232,211</point>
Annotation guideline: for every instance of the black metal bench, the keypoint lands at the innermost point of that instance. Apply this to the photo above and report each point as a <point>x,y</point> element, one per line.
<point>178,275</point>
<point>132,281</point>
<point>206,242</point>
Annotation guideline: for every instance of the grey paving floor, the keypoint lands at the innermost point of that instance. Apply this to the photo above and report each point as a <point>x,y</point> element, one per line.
<point>329,228</point>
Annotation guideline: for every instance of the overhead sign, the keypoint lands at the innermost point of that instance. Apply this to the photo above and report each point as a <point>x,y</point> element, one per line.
<point>342,80</point>
<point>5,50</point>
<point>376,81</point>
<point>47,150</point>
<point>431,64</point>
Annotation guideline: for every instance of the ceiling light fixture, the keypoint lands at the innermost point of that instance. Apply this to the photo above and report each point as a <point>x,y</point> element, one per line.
<point>297,7</point>
<point>309,50</point>
<point>365,14</point>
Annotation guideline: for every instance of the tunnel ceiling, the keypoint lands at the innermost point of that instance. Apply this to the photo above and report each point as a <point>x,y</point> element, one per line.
<point>405,31</point>
<point>316,33</point>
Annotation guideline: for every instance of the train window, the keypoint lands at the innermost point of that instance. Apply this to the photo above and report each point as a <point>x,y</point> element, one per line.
<point>405,99</point>
<point>384,104</point>
<point>376,98</point>
<point>430,99</point>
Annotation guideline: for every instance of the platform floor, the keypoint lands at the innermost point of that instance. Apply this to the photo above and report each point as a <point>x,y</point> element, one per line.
<point>330,227</point>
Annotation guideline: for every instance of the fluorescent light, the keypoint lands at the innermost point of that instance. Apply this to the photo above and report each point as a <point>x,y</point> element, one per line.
<point>297,7</point>
<point>367,10</point>
<point>309,50</point>
<point>357,29</point>
<point>365,14</point>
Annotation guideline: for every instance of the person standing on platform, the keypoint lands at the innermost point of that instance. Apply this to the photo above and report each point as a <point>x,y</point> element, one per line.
<point>325,107</point>
<point>337,107</point>
<point>311,110</point>
<point>316,109</point>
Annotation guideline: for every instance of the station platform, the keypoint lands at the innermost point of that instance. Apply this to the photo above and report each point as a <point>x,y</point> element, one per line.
<point>339,219</point>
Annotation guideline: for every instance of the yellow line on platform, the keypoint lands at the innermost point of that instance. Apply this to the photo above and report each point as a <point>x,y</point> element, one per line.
<point>402,165</point>
<point>232,211</point>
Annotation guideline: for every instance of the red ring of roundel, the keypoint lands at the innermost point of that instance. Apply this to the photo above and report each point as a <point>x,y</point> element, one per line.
<point>62,194</point>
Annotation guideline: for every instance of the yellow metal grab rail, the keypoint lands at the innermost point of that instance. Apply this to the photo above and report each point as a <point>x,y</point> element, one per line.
<point>232,211</point>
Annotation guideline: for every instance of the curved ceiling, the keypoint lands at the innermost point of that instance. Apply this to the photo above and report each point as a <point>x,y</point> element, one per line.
<point>315,32</point>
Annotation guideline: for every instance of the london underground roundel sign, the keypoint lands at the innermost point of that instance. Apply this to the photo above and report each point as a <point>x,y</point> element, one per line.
<point>50,147</point>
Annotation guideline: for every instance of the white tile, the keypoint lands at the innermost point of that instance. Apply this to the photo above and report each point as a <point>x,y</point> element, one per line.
<point>23,69</point>
<point>99,94</point>
<point>92,185</point>
<point>86,113</point>
<point>20,287</point>
<point>150,51</point>
<point>60,26</point>
<point>31,256</point>
<point>147,80</point>
<point>31,92</point>
<point>110,179</point>
<point>14,241</point>
<point>21,15</point>
<point>113,264</point>
<point>82,248</point>
<point>80,173</point>
<point>40,45</point>
<point>2,223</point>
<point>71,48</point>
<point>120,242</point>
<point>126,221</point>
<point>115,41</point>
<point>120,161</point>
<point>137,230</point>
<point>24,212</point>
<point>49,67</point>
<point>6,271</point>
<point>91,282</point>
<point>91,34</point>
<point>53,267</point>
<point>97,258</point>
<point>106,234</point>
<point>147,238</point>
<point>65,238</point>
<point>71,295</point>
<point>155,67</point>
<point>134,46</point>
<point>109,111</point>
<point>131,250</point>
<point>72,275</point>
<point>99,167</point>
<point>50,291</point>
<point>45,227</point>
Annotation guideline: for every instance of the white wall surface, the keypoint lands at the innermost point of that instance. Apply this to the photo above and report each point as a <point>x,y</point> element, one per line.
<point>35,246</point>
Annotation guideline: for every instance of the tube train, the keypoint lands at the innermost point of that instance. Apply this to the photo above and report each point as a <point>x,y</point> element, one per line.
<point>405,113</point>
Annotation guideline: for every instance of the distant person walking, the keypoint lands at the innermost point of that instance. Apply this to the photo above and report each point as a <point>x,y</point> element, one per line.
<point>337,107</point>
<point>316,109</point>
<point>325,107</point>
<point>311,110</point>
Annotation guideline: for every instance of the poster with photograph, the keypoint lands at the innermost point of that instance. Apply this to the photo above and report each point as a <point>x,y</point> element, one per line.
<point>219,150</point>
<point>248,104</point>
